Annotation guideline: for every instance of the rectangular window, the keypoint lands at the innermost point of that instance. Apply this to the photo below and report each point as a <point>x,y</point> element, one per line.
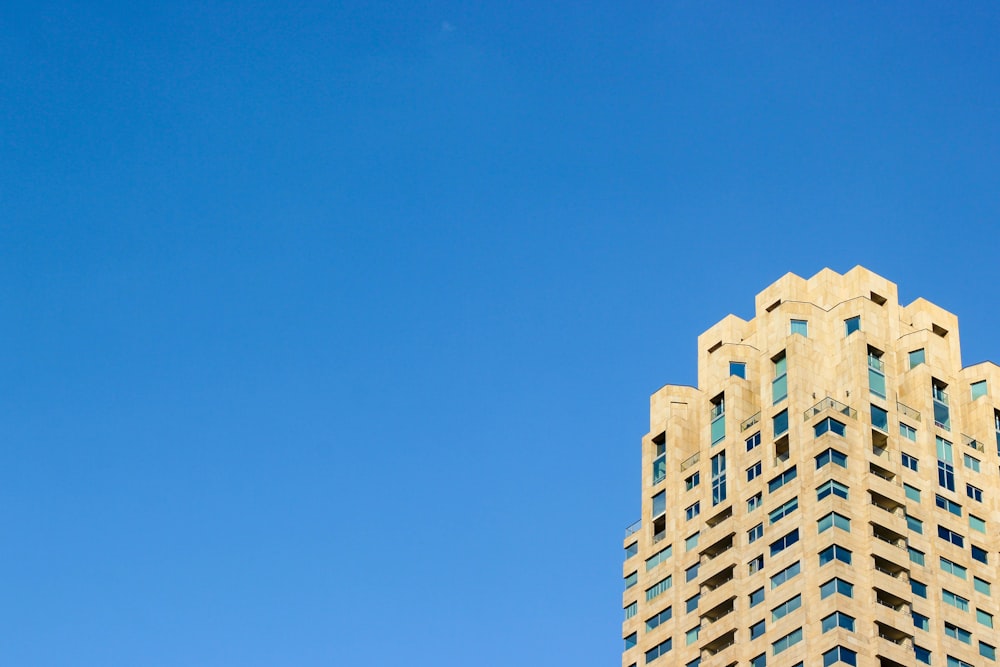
<point>916,555</point>
<point>783,542</point>
<point>949,535</point>
<point>921,622</point>
<point>691,511</point>
<point>837,619</point>
<point>979,554</point>
<point>946,475</point>
<point>786,607</point>
<point>971,462</point>
<point>944,449</point>
<point>955,632</point>
<point>757,629</point>
<point>947,504</point>
<point>916,357</point>
<point>759,661</point>
<point>908,432</point>
<point>834,552</point>
<point>691,636</point>
<point>664,616</point>
<point>753,472</point>
<point>661,586</point>
<point>691,573</point>
<point>918,588</point>
<point>756,564</point>
<point>876,372</point>
<point>987,651</point>
<point>631,550</point>
<point>691,541</point>
<point>852,324</point>
<point>955,662</point>
<point>984,618</point>
<point>952,567</point>
<point>783,511</point>
<point>631,641</point>
<point>718,478</point>
<point>756,597</point>
<point>660,503</point>
<point>840,654</point>
<point>631,580</point>
<point>782,479</point>
<point>792,638</point>
<point>830,455</point>
<point>880,418</point>
<point>780,423</point>
<point>755,533</point>
<point>738,368</point>
<point>718,414</point>
<point>631,610</point>
<point>800,327</point>
<point>974,492</point>
<point>659,557</point>
<point>978,389</point>
<point>838,586</point>
<point>829,424</point>
<point>922,654</point>
<point>942,416</point>
<point>915,524</point>
<point>692,481</point>
<point>784,575</point>
<point>831,487</point>
<point>753,441</point>
<point>779,386</point>
<point>910,462</point>
<point>975,523</point>
<point>955,600</point>
<point>753,502</point>
<point>981,586</point>
<point>691,604</point>
<point>912,492</point>
<point>662,648</point>
<point>834,520</point>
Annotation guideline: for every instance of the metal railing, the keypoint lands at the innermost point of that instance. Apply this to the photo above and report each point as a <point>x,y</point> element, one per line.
<point>633,528</point>
<point>747,423</point>
<point>830,404</point>
<point>876,363</point>
<point>690,461</point>
<point>972,442</point>
<point>908,411</point>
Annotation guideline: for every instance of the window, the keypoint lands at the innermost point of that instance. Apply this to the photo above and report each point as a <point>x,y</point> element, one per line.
<point>783,511</point>
<point>910,462</point>
<point>921,622</point>
<point>984,618</point>
<point>754,502</point>
<point>753,472</point>
<point>660,503</point>
<point>718,478</point>
<point>852,324</point>
<point>759,661</point>
<point>660,649</point>
<point>718,414</point>
<point>949,505</point>
<point>738,368</point>
<point>944,449</point>
<point>780,423</point>
<point>955,600</point>
<point>978,389</point>
<point>908,432</point>
<point>692,511</point>
<point>755,533</point>
<point>831,456</point>
<point>834,520</point>
<point>836,585</point>
<point>916,357</point>
<point>691,573</point>
<point>631,641</point>
<point>829,424</point>
<point>657,619</point>
<point>912,492</point>
<point>946,475</point>
<point>942,417</point>
<point>949,535</point>
<point>660,556</point>
<point>918,588</point>
<point>974,492</point>
<point>915,524</point>
<point>831,487</point>
<point>922,654</point>
<point>880,418</point>
<point>876,372</point>
<point>756,564</point>
<point>756,597</point>
<point>691,541</point>
<point>692,481</point>
<point>782,479</point>
<point>779,386</point>
<point>975,523</point>
<point>800,327</point>
<point>784,575</point>
<point>970,462</point>
<point>792,638</point>
<point>916,555</point>
<point>694,663</point>
<point>753,441</point>
<point>955,662</point>
<point>786,607</point>
<point>631,580</point>
<point>691,636</point>
<point>691,604</point>
<point>834,552</point>
<point>981,585</point>
<point>840,654</point>
<point>660,462</point>
<point>659,587</point>
<point>756,630</point>
<point>979,554</point>
<point>987,651</point>
<point>952,567</point>
<point>838,619</point>
<point>783,542</point>
<point>631,550</point>
<point>630,610</point>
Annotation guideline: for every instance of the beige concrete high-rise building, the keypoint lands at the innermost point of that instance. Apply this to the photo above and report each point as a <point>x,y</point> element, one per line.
<point>827,493</point>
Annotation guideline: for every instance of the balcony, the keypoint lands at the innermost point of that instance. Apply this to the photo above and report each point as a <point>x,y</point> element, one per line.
<point>718,645</point>
<point>886,504</point>
<point>690,461</point>
<point>633,528</point>
<point>888,536</point>
<point>830,404</point>
<point>876,364</point>
<point>891,601</point>
<point>719,579</point>
<point>710,553</point>
<point>973,443</point>
<point>749,422</point>
<point>891,568</point>
<point>883,473</point>
<point>908,412</point>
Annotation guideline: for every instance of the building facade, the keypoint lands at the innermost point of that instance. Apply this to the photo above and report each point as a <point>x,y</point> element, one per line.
<point>827,495</point>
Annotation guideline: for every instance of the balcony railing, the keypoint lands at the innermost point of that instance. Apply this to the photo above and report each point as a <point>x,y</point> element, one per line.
<point>830,404</point>
<point>747,423</point>
<point>690,461</point>
<point>876,363</point>
<point>940,395</point>
<point>634,528</point>
<point>972,442</point>
<point>908,411</point>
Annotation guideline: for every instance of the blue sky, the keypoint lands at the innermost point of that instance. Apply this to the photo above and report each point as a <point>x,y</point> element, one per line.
<point>329,330</point>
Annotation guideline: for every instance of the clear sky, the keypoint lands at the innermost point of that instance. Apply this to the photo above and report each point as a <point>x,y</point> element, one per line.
<point>328,330</point>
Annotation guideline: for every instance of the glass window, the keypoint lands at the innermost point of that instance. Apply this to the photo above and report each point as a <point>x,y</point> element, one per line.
<point>880,418</point>
<point>718,478</point>
<point>916,555</point>
<point>840,654</point>
<point>977,524</point>
<point>753,472</point>
<point>984,618</point>
<point>786,607</point>
<point>792,638</point>
<point>834,552</point>
<point>784,510</point>
<point>783,542</point>
<point>949,535</point>
<point>971,462</point>
<point>981,585</point>
<point>838,619</point>
<point>692,481</point>
<point>691,604</point>
<point>755,533</point>
<point>631,641</point>
<point>876,372</point>
<point>978,389</point>
<point>753,441</point>
<point>692,511</point>
<point>691,636</point>
<point>916,357</point>
<point>910,462</point>
<point>631,550</point>
<point>784,575</point>
<point>946,475</point>
<point>718,414</point>
<point>908,432</point>
<point>756,597</point>
<point>780,423</point>
<point>922,654</point>
<point>800,327</point>
<point>779,386</point>
<point>834,520</point>
<point>738,368</point>
<point>921,622</point>
<point>757,629</point>
<point>979,554</point>
<point>912,492</point>
<point>836,585</point>
<point>759,661</point>
<point>831,487</point>
<point>753,502</point>
<point>756,564</point>
<point>974,492</point>
<point>955,662</point>
<point>987,651</point>
<point>952,567</point>
<point>659,557</point>
<point>852,324</point>
<point>662,617</point>
<point>631,580</point>
<point>659,587</point>
<point>630,610</point>
<point>691,542</point>
<point>782,479</point>
<point>946,504</point>
<point>830,455</point>
<point>829,424</point>
<point>660,649</point>
<point>955,600</point>
<point>918,588</point>
<point>915,524</point>
<point>660,503</point>
<point>691,573</point>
